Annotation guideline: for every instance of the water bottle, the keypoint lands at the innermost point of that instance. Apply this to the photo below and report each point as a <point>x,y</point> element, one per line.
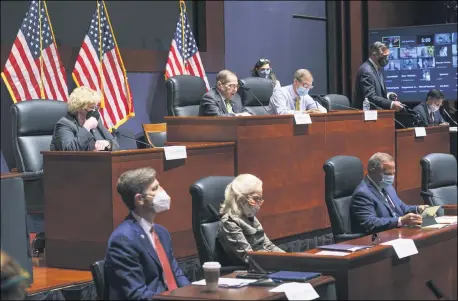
<point>366,105</point>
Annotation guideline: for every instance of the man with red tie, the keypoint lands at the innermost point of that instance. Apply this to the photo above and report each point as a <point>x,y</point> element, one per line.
<point>140,262</point>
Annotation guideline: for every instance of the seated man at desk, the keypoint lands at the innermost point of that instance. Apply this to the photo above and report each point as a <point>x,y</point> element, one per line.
<point>295,97</point>
<point>140,262</point>
<point>375,206</point>
<point>240,231</point>
<point>429,109</point>
<point>82,129</point>
<point>223,99</point>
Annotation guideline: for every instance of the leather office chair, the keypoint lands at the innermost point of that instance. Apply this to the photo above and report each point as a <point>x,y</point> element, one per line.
<point>207,196</point>
<point>156,134</point>
<point>343,175</point>
<point>124,142</point>
<point>438,177</point>
<point>33,127</point>
<point>98,274</point>
<point>260,87</point>
<point>184,93</point>
<point>15,240</point>
<point>336,102</point>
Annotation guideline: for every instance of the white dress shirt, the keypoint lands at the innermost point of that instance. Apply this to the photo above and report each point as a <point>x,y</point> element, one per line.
<point>146,226</point>
<point>283,101</point>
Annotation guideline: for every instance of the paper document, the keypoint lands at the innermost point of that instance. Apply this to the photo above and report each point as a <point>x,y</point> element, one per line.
<point>420,132</point>
<point>302,118</point>
<point>297,291</point>
<point>435,226</point>
<point>175,152</point>
<point>370,115</point>
<point>227,281</point>
<point>403,247</point>
<point>453,129</point>
<point>446,219</point>
<point>332,253</point>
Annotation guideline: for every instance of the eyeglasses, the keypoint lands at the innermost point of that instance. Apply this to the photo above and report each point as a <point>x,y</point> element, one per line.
<point>305,85</point>
<point>232,86</point>
<point>255,200</point>
<point>264,61</point>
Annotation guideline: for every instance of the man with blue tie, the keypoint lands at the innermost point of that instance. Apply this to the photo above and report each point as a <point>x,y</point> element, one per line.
<point>375,206</point>
<point>140,262</point>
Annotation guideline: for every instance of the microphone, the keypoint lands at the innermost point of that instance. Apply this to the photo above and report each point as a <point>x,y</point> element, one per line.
<point>450,117</point>
<point>242,85</point>
<point>382,109</point>
<point>439,295</point>
<point>453,109</point>
<point>344,106</point>
<point>392,96</point>
<point>431,195</point>
<point>117,133</point>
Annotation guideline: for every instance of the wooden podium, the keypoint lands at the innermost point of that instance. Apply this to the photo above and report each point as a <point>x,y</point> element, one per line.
<point>377,273</point>
<point>409,151</point>
<point>289,158</point>
<point>83,206</point>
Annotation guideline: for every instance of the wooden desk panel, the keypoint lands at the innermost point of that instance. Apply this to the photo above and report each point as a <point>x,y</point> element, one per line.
<point>83,206</point>
<point>377,273</point>
<point>409,152</point>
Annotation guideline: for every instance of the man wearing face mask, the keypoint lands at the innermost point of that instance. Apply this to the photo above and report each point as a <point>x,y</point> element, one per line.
<point>240,231</point>
<point>429,109</point>
<point>223,99</point>
<point>295,98</point>
<point>140,262</point>
<point>82,129</point>
<point>375,206</point>
<point>369,82</point>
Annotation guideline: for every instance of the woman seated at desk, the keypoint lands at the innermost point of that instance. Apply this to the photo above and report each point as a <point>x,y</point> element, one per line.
<point>240,231</point>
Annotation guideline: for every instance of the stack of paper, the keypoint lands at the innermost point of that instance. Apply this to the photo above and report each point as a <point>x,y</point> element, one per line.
<point>297,291</point>
<point>446,219</point>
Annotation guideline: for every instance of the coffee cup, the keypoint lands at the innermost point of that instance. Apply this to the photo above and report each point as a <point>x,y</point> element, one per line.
<point>211,274</point>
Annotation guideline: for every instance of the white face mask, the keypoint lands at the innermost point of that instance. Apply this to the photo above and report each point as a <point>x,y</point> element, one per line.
<point>249,210</point>
<point>434,108</point>
<point>387,180</point>
<point>161,202</point>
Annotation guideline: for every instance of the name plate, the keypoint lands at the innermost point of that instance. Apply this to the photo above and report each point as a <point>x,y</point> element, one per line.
<point>403,247</point>
<point>370,115</point>
<point>420,132</point>
<point>302,118</point>
<point>175,152</point>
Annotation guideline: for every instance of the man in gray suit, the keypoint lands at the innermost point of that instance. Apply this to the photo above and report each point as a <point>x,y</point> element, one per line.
<point>369,82</point>
<point>223,100</point>
<point>81,129</point>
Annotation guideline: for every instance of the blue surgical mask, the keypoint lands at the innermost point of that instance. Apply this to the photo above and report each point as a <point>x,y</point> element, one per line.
<point>434,108</point>
<point>387,180</point>
<point>264,73</point>
<point>302,91</point>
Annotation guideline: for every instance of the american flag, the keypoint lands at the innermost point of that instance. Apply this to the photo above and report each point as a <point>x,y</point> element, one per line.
<point>100,67</point>
<point>184,57</point>
<point>33,69</point>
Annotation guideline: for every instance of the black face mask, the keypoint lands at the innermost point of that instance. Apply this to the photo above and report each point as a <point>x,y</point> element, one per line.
<point>383,61</point>
<point>93,113</point>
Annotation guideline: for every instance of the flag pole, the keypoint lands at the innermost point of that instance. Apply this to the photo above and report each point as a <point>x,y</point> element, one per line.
<point>102,103</point>
<point>183,45</point>
<point>42,92</point>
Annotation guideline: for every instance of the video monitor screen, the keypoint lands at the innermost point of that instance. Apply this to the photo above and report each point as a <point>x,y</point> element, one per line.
<point>421,58</point>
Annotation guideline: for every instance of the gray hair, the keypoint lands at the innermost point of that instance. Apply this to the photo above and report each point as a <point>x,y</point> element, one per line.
<point>301,73</point>
<point>377,160</point>
<point>223,75</point>
<point>377,48</point>
<point>241,187</point>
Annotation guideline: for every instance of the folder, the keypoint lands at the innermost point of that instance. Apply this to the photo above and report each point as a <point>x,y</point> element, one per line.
<point>293,276</point>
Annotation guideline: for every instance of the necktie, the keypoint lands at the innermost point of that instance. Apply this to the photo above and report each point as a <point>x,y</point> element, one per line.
<point>298,103</point>
<point>390,202</point>
<point>228,106</point>
<point>167,270</point>
<point>431,115</point>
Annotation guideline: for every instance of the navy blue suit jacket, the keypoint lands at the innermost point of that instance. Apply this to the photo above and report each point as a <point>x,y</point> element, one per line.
<point>370,213</point>
<point>132,267</point>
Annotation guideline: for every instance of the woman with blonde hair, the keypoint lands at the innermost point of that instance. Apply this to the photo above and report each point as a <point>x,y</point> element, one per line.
<point>240,231</point>
<point>82,128</point>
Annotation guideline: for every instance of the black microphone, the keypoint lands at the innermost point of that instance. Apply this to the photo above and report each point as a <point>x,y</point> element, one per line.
<point>344,106</point>
<point>242,85</point>
<point>450,117</point>
<point>383,109</point>
<point>116,132</point>
<point>453,109</point>
<point>439,295</point>
<point>431,195</point>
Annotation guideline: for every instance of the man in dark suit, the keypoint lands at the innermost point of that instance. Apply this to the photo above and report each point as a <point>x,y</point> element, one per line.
<point>375,206</point>
<point>428,110</point>
<point>140,262</point>
<point>369,81</point>
<point>223,100</point>
<point>82,129</point>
